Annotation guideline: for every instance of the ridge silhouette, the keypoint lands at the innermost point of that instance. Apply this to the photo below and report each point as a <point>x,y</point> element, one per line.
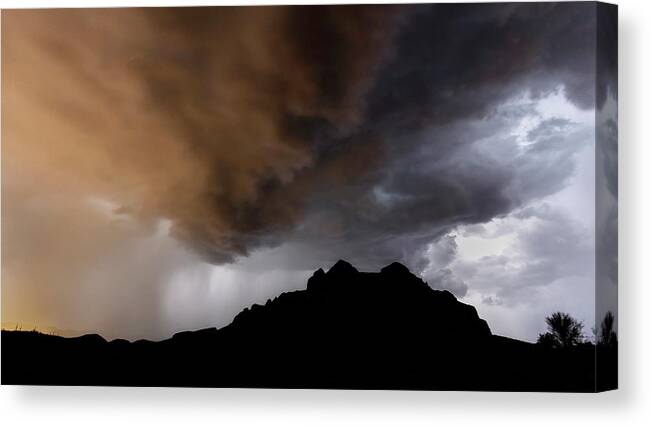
<point>347,329</point>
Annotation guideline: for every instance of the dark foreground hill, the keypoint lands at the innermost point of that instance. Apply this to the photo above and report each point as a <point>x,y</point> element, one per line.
<point>348,329</point>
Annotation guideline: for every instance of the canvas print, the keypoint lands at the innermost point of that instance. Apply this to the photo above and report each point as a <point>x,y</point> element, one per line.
<point>346,197</point>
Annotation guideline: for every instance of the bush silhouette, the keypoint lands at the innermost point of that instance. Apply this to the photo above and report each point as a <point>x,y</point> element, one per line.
<point>607,334</point>
<point>563,331</point>
<point>548,340</point>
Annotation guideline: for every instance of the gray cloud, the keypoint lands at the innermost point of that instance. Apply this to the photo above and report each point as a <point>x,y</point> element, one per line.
<point>548,266</point>
<point>606,207</point>
<point>446,279</point>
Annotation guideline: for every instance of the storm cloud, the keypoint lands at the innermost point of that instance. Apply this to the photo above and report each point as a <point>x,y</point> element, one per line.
<point>208,117</point>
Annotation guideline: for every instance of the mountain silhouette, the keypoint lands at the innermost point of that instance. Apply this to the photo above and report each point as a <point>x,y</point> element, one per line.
<point>347,329</point>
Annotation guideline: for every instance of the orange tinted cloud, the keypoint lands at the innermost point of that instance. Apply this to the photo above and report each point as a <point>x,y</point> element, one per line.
<point>205,116</point>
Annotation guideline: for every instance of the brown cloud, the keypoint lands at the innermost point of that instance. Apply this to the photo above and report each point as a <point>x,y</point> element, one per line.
<point>212,117</point>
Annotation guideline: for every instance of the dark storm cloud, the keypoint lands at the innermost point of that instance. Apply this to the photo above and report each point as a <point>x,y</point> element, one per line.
<point>458,61</point>
<point>458,174</point>
<point>606,208</point>
<point>241,79</point>
<point>243,125</point>
<point>220,119</point>
<point>606,181</point>
<point>606,62</point>
<point>450,65</point>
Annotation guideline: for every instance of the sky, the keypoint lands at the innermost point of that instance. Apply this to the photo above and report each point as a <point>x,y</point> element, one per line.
<point>164,168</point>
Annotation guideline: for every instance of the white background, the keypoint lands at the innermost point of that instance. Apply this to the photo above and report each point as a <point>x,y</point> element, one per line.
<point>630,405</point>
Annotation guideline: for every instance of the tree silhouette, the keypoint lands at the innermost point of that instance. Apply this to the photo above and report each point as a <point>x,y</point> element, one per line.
<point>607,335</point>
<point>563,331</point>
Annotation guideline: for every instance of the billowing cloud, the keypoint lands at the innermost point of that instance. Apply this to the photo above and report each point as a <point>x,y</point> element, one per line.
<point>225,120</point>
<point>211,118</point>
